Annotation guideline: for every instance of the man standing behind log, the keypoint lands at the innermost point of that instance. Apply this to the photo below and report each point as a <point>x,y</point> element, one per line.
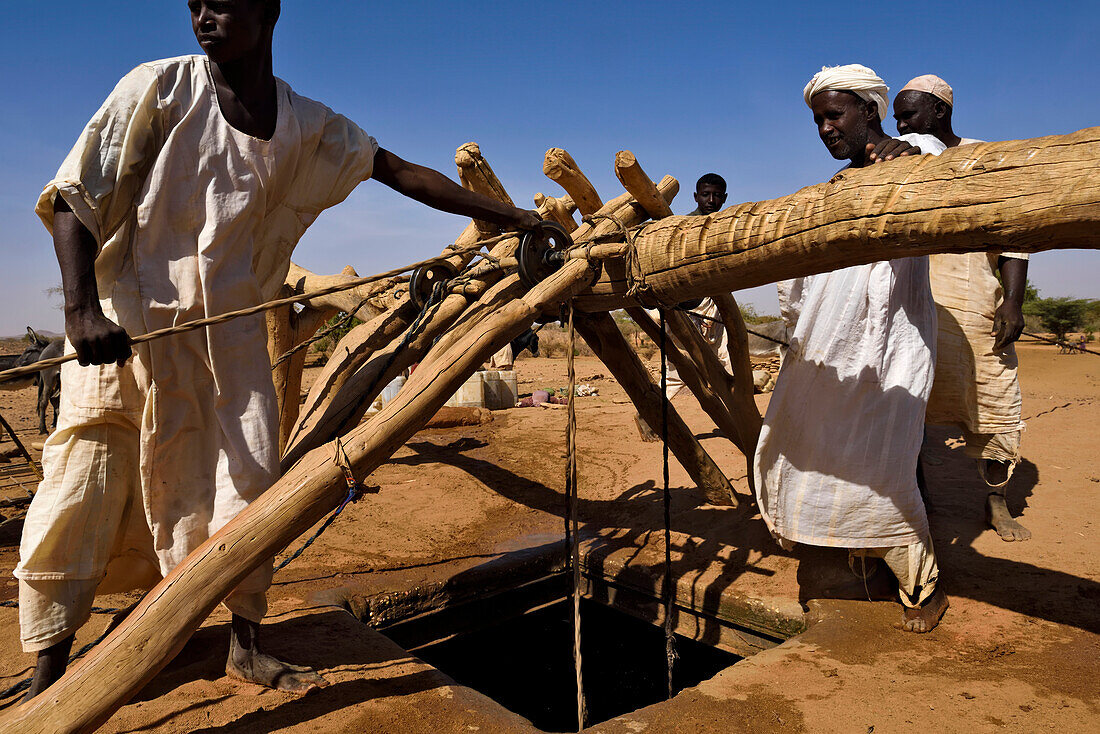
<point>710,196</point>
<point>976,388</point>
<point>183,198</point>
<point>836,462</point>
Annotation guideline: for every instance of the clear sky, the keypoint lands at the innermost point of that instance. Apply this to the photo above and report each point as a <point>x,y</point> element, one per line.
<point>689,88</point>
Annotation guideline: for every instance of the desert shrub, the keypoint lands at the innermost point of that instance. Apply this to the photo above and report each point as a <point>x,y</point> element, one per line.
<point>327,343</point>
<point>1059,315</point>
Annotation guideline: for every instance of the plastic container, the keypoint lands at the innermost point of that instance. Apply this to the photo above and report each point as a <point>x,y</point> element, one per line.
<point>501,389</point>
<point>389,392</point>
<point>471,394</point>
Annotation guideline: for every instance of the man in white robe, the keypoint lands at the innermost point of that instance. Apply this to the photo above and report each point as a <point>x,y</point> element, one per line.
<point>980,317</point>
<point>836,461</point>
<point>183,198</point>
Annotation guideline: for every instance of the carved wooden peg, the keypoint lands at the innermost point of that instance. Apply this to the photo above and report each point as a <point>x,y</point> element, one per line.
<point>560,167</point>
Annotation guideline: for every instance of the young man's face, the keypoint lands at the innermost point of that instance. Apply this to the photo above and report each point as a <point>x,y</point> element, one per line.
<point>228,29</point>
<point>915,112</point>
<point>710,198</point>
<point>841,119</point>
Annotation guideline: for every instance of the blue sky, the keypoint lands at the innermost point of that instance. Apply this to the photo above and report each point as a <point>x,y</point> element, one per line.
<point>689,88</point>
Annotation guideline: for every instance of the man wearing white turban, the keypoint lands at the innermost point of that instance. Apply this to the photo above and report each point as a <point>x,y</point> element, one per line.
<point>976,387</point>
<point>836,462</point>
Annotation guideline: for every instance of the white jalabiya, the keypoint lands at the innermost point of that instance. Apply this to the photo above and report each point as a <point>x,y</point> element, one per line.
<point>836,461</point>
<point>193,218</point>
<point>976,389</point>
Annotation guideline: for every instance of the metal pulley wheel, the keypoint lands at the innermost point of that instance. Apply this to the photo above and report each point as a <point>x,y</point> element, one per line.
<point>425,278</point>
<point>542,252</point>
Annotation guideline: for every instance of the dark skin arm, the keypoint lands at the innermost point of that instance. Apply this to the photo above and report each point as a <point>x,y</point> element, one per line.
<point>96,339</point>
<point>1008,320</point>
<point>439,192</point>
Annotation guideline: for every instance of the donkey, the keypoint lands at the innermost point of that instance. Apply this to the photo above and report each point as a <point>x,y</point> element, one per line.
<point>31,354</point>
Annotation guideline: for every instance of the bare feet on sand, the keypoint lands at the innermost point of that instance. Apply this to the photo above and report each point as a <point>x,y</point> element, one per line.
<point>247,663</point>
<point>998,517</point>
<point>925,617</point>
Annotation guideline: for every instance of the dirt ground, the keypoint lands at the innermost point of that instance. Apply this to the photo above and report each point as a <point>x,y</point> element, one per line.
<point>1018,650</point>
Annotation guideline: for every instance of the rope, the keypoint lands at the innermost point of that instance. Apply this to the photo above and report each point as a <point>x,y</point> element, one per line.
<point>259,308</point>
<point>670,640</point>
<point>572,533</point>
<point>348,316</point>
<point>635,277</point>
<point>355,491</point>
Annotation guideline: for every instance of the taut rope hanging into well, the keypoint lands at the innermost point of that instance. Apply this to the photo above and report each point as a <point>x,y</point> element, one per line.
<point>572,534</point>
<point>667,589</point>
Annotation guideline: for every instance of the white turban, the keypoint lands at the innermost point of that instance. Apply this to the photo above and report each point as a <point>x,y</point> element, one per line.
<point>854,78</point>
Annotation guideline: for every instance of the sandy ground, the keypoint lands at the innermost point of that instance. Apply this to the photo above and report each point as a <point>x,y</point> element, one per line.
<point>1019,648</point>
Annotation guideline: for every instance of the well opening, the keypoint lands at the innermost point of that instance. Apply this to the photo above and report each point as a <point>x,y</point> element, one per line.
<point>521,656</point>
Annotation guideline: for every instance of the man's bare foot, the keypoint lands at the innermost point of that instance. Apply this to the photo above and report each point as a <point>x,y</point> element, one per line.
<point>998,517</point>
<point>247,663</point>
<point>925,617</point>
<point>49,667</point>
<point>647,433</point>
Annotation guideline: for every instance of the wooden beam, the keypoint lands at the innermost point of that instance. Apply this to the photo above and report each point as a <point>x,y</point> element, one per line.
<point>1016,195</point>
<point>706,393</point>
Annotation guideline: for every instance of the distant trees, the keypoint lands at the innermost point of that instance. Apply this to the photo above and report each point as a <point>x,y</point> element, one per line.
<point>1061,315</point>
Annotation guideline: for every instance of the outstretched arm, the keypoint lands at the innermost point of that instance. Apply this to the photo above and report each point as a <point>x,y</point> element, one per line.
<point>96,339</point>
<point>1008,321</point>
<point>439,192</point>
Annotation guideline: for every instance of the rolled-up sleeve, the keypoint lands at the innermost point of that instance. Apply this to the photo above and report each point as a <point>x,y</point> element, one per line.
<point>104,172</point>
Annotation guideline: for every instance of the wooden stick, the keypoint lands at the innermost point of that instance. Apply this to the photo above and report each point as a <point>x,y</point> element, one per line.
<point>560,167</point>
<point>608,343</point>
<point>475,174</point>
<point>635,180</point>
<point>737,342</point>
<point>22,449</point>
<point>693,378</point>
<point>1018,195</point>
<point>157,629</point>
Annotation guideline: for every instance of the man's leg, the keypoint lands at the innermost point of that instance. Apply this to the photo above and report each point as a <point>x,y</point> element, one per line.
<point>50,613</point>
<point>922,598</point>
<point>246,660</point>
<point>997,456</point>
<point>70,530</point>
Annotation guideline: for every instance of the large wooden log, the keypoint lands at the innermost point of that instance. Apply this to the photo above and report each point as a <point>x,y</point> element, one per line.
<point>558,209</point>
<point>602,334</point>
<point>1017,195</point>
<point>157,629</point>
